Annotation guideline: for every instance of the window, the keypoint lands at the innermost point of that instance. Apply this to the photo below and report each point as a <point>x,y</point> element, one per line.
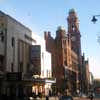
<point>2,36</point>
<point>21,67</point>
<point>1,33</point>
<point>12,67</point>
<point>65,62</point>
<point>42,55</point>
<point>13,41</point>
<point>65,51</point>
<point>47,73</point>
<point>73,27</point>
<point>28,67</point>
<point>64,42</point>
<point>1,61</point>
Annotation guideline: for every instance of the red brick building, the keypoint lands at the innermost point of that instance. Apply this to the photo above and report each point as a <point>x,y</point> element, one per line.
<point>85,76</point>
<point>66,55</point>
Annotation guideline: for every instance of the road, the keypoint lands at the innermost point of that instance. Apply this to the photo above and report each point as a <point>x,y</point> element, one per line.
<point>75,98</point>
<point>86,98</point>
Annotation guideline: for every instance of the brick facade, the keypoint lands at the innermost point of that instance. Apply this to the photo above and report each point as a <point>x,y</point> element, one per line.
<point>64,60</point>
<point>66,54</point>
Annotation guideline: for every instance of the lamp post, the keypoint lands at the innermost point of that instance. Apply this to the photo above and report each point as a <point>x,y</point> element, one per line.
<point>94,19</point>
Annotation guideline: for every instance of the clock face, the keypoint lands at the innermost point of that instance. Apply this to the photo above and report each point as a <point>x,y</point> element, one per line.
<point>73,38</point>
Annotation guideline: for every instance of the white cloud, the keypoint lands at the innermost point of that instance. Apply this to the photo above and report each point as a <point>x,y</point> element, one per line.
<point>94,64</point>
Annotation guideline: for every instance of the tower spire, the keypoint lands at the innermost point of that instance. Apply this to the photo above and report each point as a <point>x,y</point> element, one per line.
<point>73,22</point>
<point>74,33</point>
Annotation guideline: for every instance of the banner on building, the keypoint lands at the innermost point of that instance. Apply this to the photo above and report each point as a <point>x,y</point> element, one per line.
<point>36,58</point>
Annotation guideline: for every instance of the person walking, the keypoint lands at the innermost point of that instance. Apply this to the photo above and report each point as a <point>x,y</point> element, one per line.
<point>91,96</point>
<point>59,96</point>
<point>47,97</point>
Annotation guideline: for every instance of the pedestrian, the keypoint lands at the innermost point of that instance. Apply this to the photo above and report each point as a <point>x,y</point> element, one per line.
<point>47,97</point>
<point>59,95</point>
<point>49,92</point>
<point>91,96</point>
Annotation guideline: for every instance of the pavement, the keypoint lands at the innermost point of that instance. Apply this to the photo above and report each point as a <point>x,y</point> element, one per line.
<point>50,98</point>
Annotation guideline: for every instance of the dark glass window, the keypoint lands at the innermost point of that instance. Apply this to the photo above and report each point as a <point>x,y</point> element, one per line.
<point>28,67</point>
<point>13,41</point>
<point>1,33</point>
<point>12,67</point>
<point>2,38</point>
<point>21,67</point>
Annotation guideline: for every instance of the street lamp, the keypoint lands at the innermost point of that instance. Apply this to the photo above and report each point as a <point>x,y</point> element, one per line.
<point>94,19</point>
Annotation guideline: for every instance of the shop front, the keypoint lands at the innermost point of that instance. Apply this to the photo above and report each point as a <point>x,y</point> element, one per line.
<point>14,85</point>
<point>42,86</point>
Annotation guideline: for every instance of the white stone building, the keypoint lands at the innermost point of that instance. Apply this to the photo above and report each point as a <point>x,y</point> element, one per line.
<point>46,70</point>
<point>14,33</point>
<point>16,41</point>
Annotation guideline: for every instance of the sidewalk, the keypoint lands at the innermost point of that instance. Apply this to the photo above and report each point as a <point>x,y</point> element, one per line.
<point>50,98</point>
<point>53,98</point>
<point>56,98</point>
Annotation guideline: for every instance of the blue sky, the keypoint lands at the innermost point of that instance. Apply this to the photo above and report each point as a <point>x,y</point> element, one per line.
<point>47,15</point>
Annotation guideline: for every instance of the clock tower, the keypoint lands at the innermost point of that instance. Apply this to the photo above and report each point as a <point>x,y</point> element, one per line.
<point>74,33</point>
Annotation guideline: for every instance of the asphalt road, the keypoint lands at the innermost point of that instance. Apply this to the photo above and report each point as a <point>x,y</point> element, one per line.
<point>75,98</point>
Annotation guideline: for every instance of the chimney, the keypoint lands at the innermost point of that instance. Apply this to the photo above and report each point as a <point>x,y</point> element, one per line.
<point>49,33</point>
<point>45,35</point>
